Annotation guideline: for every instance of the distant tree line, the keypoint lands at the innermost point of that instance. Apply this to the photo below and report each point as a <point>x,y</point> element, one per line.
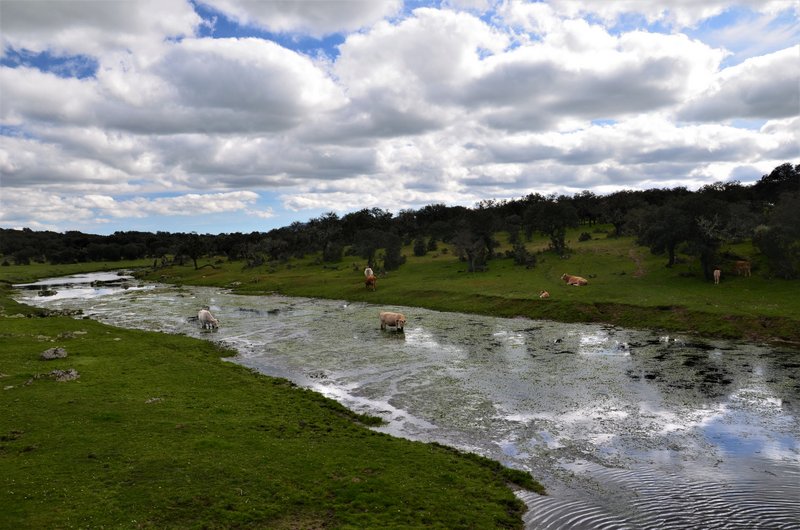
<point>668,221</point>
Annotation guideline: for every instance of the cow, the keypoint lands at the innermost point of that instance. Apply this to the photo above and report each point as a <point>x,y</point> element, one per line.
<point>574,280</point>
<point>742,267</point>
<point>544,294</point>
<point>396,320</point>
<point>207,320</point>
<point>368,272</point>
<point>717,274</point>
<point>371,282</point>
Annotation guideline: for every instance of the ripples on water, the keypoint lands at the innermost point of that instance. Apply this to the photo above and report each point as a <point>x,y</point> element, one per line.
<point>627,429</point>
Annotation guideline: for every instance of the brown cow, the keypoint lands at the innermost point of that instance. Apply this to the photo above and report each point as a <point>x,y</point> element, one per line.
<point>544,294</point>
<point>397,320</point>
<point>742,267</point>
<point>371,282</point>
<point>574,280</point>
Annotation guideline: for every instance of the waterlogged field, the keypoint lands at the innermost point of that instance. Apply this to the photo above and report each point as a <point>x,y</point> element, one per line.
<point>626,428</point>
<point>628,287</point>
<point>154,430</point>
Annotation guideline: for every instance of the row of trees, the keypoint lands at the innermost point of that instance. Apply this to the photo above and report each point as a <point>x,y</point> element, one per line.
<point>666,220</point>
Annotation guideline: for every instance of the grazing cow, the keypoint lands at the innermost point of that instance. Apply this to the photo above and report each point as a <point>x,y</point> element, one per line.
<point>397,320</point>
<point>207,320</point>
<point>574,280</point>
<point>371,282</point>
<point>717,274</point>
<point>544,294</point>
<point>368,272</point>
<point>742,267</point>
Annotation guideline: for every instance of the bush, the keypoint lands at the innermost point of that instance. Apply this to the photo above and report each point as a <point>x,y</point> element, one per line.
<point>419,247</point>
<point>522,256</point>
<point>520,253</point>
<point>332,252</point>
<point>393,257</point>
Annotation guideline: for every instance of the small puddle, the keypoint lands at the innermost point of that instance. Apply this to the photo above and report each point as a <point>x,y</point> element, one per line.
<point>626,428</point>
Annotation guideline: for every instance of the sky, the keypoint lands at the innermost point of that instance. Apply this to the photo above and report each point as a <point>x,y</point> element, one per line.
<point>222,116</point>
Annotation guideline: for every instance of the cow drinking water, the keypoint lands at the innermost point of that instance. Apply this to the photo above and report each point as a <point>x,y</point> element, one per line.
<point>207,320</point>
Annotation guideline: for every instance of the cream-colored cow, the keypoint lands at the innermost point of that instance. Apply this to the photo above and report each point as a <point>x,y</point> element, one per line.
<point>396,320</point>
<point>207,320</point>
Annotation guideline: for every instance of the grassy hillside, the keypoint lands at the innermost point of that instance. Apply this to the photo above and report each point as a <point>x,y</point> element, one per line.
<point>159,432</point>
<point>628,286</point>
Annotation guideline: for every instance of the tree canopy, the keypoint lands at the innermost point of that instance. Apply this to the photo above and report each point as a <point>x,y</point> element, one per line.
<point>662,219</point>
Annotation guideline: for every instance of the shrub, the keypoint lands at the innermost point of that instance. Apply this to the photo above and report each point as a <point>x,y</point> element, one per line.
<point>332,252</point>
<point>419,247</point>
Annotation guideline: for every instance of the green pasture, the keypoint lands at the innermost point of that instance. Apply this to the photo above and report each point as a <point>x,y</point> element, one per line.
<point>160,432</point>
<point>628,286</point>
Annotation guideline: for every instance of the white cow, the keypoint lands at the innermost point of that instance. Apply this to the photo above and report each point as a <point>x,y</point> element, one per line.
<point>397,320</point>
<point>368,272</point>
<point>207,320</point>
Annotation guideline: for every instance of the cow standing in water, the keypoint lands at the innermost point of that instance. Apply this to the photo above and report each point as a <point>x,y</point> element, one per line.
<point>207,320</point>
<point>395,320</point>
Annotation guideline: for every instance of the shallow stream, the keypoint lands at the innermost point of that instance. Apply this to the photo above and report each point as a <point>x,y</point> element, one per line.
<point>626,428</point>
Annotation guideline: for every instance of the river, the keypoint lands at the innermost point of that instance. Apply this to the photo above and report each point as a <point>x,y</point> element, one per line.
<point>625,428</point>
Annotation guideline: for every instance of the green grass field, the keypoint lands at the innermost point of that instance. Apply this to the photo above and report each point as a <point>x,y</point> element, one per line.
<point>628,286</point>
<point>159,432</point>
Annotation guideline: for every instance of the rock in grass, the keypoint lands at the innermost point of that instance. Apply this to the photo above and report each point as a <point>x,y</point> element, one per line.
<point>53,353</point>
<point>65,375</point>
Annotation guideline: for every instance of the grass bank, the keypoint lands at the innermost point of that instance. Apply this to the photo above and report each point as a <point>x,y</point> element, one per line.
<point>628,286</point>
<point>159,432</point>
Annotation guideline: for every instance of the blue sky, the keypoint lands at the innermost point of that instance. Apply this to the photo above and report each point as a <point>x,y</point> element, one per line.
<point>236,115</point>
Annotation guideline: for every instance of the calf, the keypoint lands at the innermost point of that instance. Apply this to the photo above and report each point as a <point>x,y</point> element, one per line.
<point>207,320</point>
<point>742,268</point>
<point>396,320</point>
<point>574,280</point>
<point>544,294</point>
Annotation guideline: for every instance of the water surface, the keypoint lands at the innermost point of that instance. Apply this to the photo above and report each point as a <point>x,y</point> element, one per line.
<point>626,428</point>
